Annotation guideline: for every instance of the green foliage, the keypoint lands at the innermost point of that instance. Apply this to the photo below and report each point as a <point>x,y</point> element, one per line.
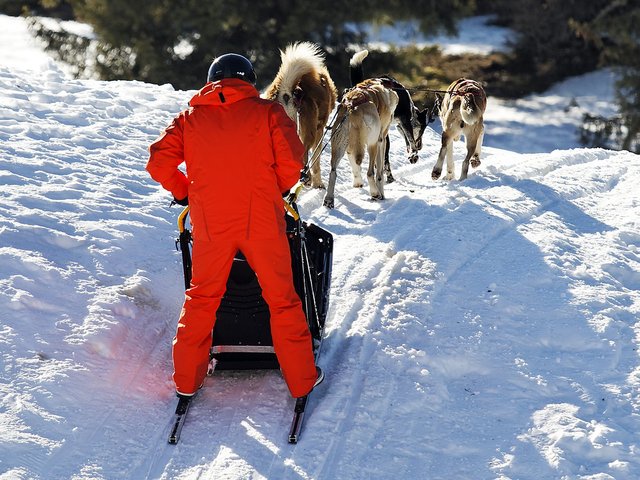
<point>53,8</point>
<point>616,31</point>
<point>161,41</point>
<point>561,38</point>
<point>15,9</point>
<point>599,131</point>
<point>433,17</point>
<point>547,47</point>
<point>70,48</point>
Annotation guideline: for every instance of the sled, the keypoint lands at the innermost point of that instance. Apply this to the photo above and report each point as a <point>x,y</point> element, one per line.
<point>241,337</point>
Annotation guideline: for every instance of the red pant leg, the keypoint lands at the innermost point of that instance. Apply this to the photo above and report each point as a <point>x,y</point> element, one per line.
<point>271,261</point>
<point>211,264</point>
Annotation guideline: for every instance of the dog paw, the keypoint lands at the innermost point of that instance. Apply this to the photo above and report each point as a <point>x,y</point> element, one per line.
<point>475,162</point>
<point>390,179</point>
<point>435,174</point>
<point>377,197</point>
<point>319,185</point>
<point>413,158</point>
<point>328,202</point>
<point>358,184</point>
<point>449,176</point>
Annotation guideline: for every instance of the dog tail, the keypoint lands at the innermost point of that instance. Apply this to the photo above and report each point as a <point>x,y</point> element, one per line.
<point>356,72</point>
<point>469,111</point>
<point>298,59</point>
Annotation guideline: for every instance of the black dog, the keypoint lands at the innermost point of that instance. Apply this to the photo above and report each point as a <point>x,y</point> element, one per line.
<point>410,120</point>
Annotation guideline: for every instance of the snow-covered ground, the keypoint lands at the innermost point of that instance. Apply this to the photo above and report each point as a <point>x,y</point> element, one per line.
<point>485,329</point>
<point>475,35</point>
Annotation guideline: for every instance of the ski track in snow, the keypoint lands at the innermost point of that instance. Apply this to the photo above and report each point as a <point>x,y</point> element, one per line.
<point>477,329</point>
<point>447,228</point>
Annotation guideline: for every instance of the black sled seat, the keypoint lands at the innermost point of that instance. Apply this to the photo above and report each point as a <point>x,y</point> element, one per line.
<point>242,334</point>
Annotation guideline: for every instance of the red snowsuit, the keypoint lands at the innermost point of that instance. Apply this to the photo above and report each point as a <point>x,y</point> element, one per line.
<point>241,153</point>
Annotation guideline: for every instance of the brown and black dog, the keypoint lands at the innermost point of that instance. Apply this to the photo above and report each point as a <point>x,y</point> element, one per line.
<point>307,92</point>
<point>461,113</point>
<point>362,123</point>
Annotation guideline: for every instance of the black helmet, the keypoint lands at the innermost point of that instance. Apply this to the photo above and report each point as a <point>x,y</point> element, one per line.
<point>231,65</point>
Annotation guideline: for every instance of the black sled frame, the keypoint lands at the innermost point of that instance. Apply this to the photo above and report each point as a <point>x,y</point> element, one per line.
<point>242,333</point>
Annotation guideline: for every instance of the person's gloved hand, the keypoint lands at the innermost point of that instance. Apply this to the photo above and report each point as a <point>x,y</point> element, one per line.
<point>184,202</point>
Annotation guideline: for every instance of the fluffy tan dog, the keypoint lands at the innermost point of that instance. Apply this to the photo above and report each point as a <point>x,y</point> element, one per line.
<point>307,92</point>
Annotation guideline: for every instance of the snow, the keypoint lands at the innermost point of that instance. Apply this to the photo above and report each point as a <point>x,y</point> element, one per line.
<point>475,35</point>
<point>477,329</point>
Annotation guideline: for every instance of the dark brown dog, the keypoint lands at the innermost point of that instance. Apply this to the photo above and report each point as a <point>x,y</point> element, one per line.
<point>307,92</point>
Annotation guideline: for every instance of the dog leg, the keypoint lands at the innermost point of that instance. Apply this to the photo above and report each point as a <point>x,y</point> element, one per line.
<point>450,166</point>
<point>374,172</point>
<point>379,167</point>
<point>387,165</point>
<point>306,162</point>
<point>412,150</point>
<point>356,168</point>
<point>338,149</point>
<point>474,139</point>
<point>410,141</point>
<point>316,178</point>
<point>309,135</point>
<point>475,159</point>
<point>472,143</point>
<point>465,168</point>
<point>405,125</point>
<point>329,198</point>
<point>437,168</point>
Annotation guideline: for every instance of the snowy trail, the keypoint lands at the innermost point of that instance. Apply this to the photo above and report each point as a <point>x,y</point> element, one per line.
<point>478,329</point>
<point>515,204</point>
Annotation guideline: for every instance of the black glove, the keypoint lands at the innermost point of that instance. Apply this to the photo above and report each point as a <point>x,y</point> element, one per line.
<point>184,202</point>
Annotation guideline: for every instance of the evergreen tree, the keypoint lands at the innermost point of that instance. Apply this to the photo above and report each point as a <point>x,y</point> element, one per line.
<point>546,45</point>
<point>52,8</point>
<point>560,38</point>
<point>616,30</point>
<point>174,42</point>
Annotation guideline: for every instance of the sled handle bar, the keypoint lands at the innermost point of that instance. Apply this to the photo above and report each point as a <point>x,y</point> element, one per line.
<point>182,219</point>
<point>291,199</point>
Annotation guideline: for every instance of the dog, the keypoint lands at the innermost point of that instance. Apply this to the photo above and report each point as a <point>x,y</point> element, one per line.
<point>363,118</point>
<point>410,120</point>
<point>306,91</point>
<point>461,113</point>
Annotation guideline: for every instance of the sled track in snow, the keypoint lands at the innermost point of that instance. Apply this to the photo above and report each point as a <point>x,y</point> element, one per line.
<point>370,305</point>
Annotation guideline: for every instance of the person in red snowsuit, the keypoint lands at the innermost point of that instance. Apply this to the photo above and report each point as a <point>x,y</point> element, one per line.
<point>241,153</point>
